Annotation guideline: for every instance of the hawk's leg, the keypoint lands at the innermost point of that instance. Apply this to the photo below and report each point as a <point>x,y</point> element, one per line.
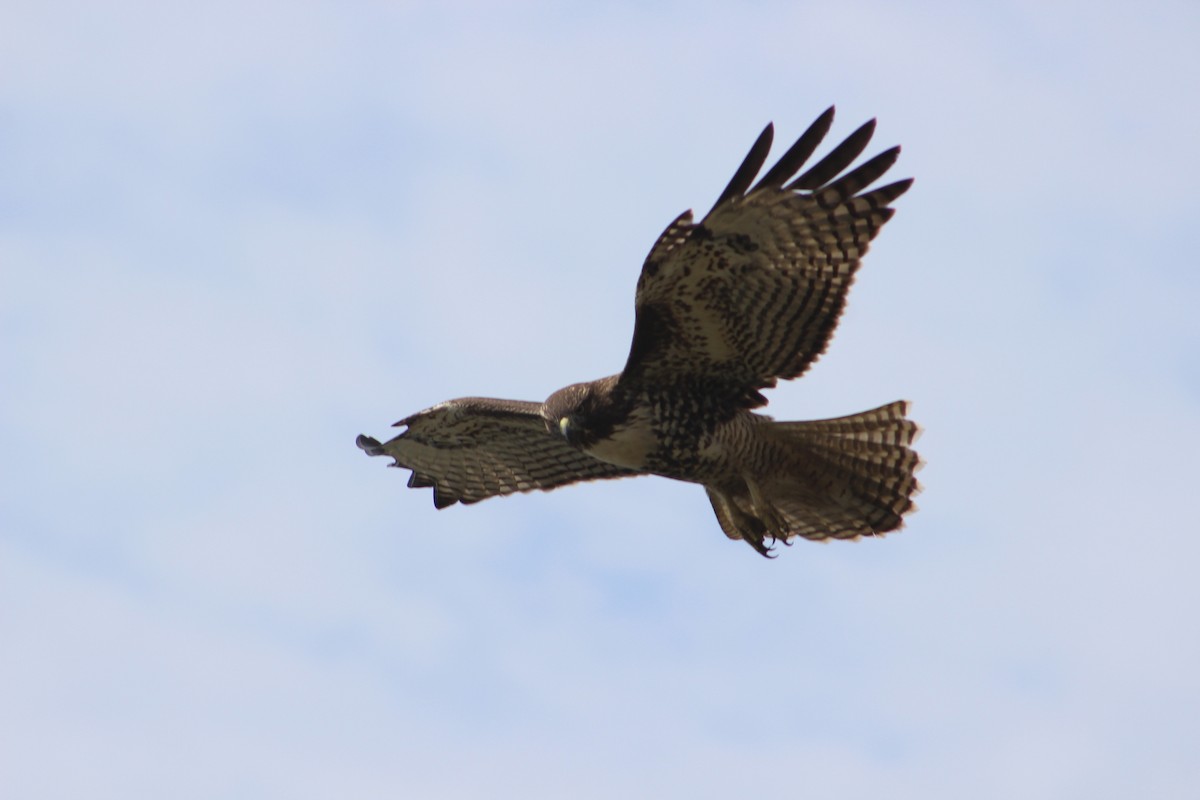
<point>751,524</point>
<point>772,522</point>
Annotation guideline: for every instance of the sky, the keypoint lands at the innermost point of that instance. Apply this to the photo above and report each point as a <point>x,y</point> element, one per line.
<point>233,236</point>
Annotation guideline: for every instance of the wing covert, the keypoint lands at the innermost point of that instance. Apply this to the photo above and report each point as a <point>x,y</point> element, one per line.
<point>473,448</point>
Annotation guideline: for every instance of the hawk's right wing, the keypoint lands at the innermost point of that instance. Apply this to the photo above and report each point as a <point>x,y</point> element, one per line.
<point>753,292</point>
<point>475,447</point>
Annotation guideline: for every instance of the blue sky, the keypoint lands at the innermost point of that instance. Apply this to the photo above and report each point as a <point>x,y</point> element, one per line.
<point>233,236</point>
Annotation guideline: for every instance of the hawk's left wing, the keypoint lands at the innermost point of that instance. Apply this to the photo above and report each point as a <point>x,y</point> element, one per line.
<point>475,447</point>
<point>753,292</point>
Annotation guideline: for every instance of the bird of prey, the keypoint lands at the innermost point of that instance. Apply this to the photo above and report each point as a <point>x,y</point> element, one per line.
<point>725,308</point>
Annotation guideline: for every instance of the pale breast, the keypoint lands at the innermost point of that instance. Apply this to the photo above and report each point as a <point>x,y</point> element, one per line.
<point>628,446</point>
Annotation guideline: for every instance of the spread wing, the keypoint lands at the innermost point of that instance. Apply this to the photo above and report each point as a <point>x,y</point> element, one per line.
<point>753,292</point>
<point>474,448</point>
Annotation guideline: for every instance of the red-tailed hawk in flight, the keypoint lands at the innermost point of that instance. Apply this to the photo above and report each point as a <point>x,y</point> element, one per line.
<point>725,308</point>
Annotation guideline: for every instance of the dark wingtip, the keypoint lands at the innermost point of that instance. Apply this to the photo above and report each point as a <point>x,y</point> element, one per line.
<point>419,481</point>
<point>837,159</point>
<point>800,151</point>
<point>440,501</point>
<point>749,168</point>
<point>369,445</point>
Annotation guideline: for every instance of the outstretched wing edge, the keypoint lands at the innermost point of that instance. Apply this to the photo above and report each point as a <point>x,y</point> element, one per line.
<point>474,448</point>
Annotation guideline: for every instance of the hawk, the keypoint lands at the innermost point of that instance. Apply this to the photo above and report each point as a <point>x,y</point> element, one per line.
<point>725,308</point>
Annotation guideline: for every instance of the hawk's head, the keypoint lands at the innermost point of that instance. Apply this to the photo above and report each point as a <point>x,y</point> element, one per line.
<point>582,413</point>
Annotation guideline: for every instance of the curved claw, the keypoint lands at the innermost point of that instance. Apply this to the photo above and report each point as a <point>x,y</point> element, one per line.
<point>758,542</point>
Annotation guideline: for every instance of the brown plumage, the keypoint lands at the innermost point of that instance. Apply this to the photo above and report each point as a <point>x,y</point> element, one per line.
<point>725,308</point>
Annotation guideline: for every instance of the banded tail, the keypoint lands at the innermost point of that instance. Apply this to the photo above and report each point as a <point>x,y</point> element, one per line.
<point>838,478</point>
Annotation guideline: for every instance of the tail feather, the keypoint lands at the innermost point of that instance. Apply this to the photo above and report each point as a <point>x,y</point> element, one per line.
<point>886,425</point>
<point>867,467</point>
<point>841,478</point>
